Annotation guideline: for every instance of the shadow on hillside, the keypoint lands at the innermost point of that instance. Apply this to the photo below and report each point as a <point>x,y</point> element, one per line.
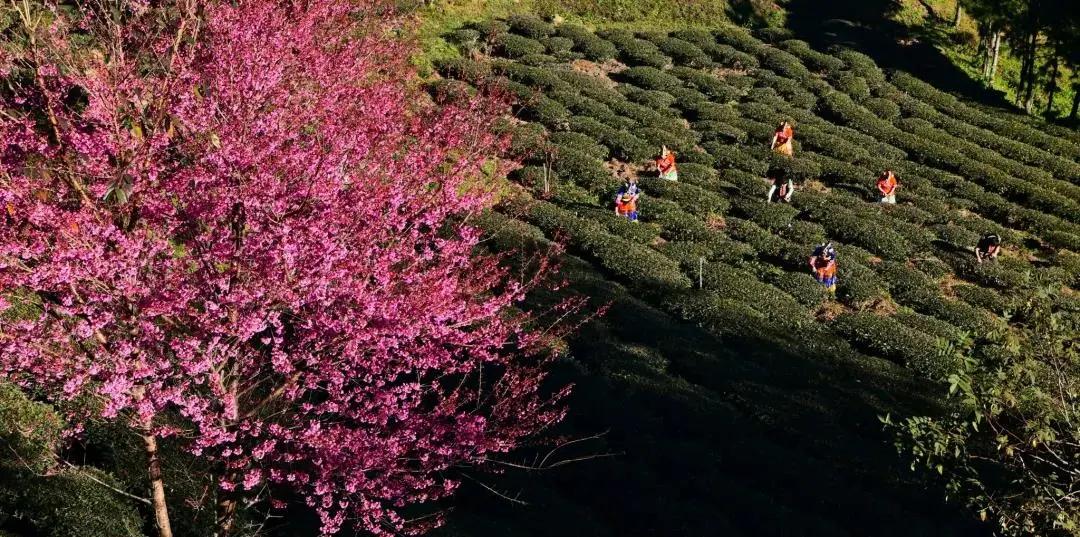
<point>713,438</point>
<point>866,26</point>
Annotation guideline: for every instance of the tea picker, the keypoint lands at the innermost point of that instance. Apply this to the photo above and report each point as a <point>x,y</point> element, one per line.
<point>988,248</point>
<point>665,165</point>
<point>626,199</point>
<point>823,265</point>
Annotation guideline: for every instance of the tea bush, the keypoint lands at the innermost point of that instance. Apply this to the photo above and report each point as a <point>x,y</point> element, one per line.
<point>530,25</point>
<point>907,276</point>
<point>593,47</point>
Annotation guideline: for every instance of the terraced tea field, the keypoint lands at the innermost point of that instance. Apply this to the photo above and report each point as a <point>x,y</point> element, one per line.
<point>741,398</point>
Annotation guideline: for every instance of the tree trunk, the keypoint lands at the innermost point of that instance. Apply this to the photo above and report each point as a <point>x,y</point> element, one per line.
<point>226,513</point>
<point>1029,94</point>
<point>997,54</point>
<point>1052,86</point>
<point>986,47</point>
<point>1023,78</point>
<point>959,15</point>
<point>157,487</point>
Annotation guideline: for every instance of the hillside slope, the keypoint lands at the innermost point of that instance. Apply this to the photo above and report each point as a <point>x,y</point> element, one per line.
<point>738,391</point>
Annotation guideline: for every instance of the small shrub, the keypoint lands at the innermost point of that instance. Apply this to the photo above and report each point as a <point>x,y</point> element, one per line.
<point>514,46</point>
<point>701,175</point>
<point>709,111</point>
<point>858,286</point>
<point>693,199</point>
<point>530,26</point>
<point>526,139</point>
<point>465,38</point>
<point>628,147</point>
<point>883,108</point>
<point>729,156</point>
<point>650,78</point>
<point>471,71</point>
<point>717,90</point>
<point>817,61</point>
<point>537,60</point>
<point>717,131</point>
<point>634,51</point>
<point>772,216</point>
<point>449,91</point>
<point>557,45</point>
<point>740,39</point>
<point>579,142</point>
<point>800,285</point>
<point>928,325</point>
<point>853,85</point>
<point>982,297</point>
<point>684,53</point>
<point>547,111</point>
<point>593,47</point>
<point>490,29</point>
<point>888,338</point>
<point>651,98</point>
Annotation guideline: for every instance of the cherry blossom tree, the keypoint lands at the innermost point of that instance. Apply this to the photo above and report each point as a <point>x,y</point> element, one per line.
<point>241,226</point>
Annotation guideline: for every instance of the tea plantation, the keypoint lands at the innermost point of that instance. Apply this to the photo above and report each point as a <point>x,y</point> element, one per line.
<point>741,398</point>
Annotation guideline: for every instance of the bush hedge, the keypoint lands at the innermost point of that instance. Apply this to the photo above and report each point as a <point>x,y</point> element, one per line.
<point>637,266</point>
<point>579,142</point>
<point>887,337</point>
<point>515,46</point>
<point>634,51</point>
<point>684,53</point>
<point>593,47</point>
<point>530,25</point>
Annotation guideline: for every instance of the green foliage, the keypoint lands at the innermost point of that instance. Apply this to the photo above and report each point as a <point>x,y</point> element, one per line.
<point>490,29</point>
<point>636,264</point>
<point>579,142</point>
<point>634,51</point>
<point>814,60</point>
<point>471,71</point>
<point>30,431</point>
<point>887,337</point>
<point>70,502</point>
<point>593,47</point>
<point>694,199</point>
<point>1008,446</point>
<point>684,53</point>
<point>650,98</point>
<point>800,285</point>
<point>557,44</point>
<point>650,78</point>
<point>515,46</point>
<point>529,25</point>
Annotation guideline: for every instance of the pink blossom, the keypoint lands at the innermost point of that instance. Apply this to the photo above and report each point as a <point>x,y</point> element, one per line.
<point>262,259</point>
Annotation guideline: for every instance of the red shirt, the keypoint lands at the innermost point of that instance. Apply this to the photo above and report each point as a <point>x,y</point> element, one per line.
<point>784,134</point>
<point>665,164</point>
<point>887,185</point>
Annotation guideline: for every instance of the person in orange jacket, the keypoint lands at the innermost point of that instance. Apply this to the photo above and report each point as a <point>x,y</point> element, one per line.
<point>887,185</point>
<point>626,200</point>
<point>783,140</point>
<point>823,266</point>
<point>665,165</point>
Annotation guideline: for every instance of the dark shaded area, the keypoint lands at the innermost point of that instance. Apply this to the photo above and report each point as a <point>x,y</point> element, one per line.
<point>713,437</point>
<point>865,26</point>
